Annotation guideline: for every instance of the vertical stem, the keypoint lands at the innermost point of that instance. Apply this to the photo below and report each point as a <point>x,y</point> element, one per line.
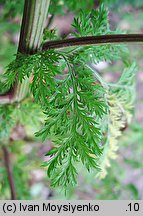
<point>33,22</point>
<point>9,172</point>
<point>34,17</point>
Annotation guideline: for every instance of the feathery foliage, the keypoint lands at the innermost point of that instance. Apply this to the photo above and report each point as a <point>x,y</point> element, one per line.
<point>76,100</point>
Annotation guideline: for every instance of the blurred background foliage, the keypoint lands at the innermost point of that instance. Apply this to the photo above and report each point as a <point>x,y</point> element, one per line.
<point>125,176</point>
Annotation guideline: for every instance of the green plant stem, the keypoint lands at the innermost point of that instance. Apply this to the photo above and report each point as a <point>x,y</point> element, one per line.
<point>98,77</point>
<point>34,17</point>
<point>33,23</point>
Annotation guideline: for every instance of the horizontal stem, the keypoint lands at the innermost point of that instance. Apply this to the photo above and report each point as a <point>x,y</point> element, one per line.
<point>93,40</point>
<point>82,41</point>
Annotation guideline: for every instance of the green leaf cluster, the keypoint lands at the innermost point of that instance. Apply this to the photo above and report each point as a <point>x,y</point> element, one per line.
<point>74,99</point>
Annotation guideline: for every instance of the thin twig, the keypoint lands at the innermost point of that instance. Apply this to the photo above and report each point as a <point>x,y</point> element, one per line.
<point>50,21</point>
<point>9,172</point>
